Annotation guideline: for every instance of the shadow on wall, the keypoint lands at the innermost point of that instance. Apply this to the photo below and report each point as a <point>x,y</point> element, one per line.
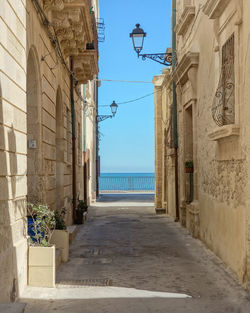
<point>12,211</point>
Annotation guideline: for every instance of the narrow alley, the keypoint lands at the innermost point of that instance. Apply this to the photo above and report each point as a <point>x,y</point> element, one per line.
<point>125,258</point>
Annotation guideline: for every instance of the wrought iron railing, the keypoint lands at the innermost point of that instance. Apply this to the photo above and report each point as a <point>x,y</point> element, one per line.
<point>126,183</point>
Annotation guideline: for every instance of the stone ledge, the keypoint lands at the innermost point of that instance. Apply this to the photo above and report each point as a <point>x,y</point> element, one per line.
<point>185,20</point>
<point>225,131</point>
<point>214,8</point>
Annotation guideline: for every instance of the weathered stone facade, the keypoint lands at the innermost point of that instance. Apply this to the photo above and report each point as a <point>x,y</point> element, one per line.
<point>213,112</point>
<point>36,115</point>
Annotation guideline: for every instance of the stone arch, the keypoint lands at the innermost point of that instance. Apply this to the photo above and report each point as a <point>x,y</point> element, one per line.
<point>34,161</point>
<point>60,142</point>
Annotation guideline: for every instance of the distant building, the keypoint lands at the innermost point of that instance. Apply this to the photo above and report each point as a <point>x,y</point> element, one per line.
<point>213,155</point>
<point>48,49</point>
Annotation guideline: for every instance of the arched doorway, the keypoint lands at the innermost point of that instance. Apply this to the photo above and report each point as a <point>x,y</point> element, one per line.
<point>59,151</point>
<point>34,188</point>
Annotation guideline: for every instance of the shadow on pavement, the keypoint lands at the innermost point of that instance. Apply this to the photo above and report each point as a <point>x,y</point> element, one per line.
<point>135,305</point>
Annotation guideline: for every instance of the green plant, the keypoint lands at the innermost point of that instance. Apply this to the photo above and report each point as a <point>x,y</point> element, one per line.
<point>82,206</point>
<point>43,223</point>
<point>189,164</point>
<point>60,218</point>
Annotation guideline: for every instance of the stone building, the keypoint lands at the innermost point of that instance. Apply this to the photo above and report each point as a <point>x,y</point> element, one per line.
<point>212,87</point>
<point>89,141</point>
<point>48,48</point>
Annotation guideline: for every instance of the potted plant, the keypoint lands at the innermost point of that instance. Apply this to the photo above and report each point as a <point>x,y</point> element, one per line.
<point>41,258</point>
<point>60,236</point>
<point>189,166</point>
<point>82,207</point>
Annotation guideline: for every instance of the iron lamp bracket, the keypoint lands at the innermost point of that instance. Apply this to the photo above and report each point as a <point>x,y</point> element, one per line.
<point>162,58</point>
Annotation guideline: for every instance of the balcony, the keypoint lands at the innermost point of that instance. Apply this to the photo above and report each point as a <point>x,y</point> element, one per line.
<point>214,8</point>
<point>185,20</point>
<point>75,26</point>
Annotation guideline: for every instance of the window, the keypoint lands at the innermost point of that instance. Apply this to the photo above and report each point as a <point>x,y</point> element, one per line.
<point>223,109</point>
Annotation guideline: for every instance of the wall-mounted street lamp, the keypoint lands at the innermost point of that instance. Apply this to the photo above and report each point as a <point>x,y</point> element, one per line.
<point>113,107</point>
<point>138,36</point>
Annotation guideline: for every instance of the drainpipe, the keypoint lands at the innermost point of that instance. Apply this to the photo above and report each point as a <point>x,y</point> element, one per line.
<point>85,179</point>
<point>85,119</point>
<point>175,125</point>
<point>73,139</point>
<point>97,141</point>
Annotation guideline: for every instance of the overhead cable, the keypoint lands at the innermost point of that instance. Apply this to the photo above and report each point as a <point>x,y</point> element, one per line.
<point>124,81</point>
<point>134,100</point>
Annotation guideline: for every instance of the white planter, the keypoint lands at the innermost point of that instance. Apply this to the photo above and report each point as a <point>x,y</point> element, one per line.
<point>60,238</point>
<point>42,266</point>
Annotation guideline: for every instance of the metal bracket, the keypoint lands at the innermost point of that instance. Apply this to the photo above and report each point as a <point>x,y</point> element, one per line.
<point>162,58</point>
<point>101,118</point>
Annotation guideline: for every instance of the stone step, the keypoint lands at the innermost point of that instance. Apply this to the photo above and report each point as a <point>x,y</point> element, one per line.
<point>160,211</point>
<point>12,307</point>
<point>72,232</point>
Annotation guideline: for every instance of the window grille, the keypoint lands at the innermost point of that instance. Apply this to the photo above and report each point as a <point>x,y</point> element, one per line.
<point>223,108</point>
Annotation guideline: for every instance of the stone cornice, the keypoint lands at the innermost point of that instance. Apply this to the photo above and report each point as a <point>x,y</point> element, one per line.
<point>214,8</point>
<point>158,80</point>
<point>185,20</point>
<point>189,61</point>
<point>164,79</point>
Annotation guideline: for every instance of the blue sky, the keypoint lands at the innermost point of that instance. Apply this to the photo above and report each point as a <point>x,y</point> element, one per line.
<point>127,144</point>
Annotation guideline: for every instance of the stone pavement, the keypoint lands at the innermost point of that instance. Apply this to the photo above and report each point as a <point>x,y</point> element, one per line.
<point>128,259</point>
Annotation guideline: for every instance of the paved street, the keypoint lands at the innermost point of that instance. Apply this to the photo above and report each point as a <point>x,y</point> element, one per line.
<point>137,261</point>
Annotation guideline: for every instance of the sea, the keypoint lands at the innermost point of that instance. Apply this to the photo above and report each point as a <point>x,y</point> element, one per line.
<point>127,182</point>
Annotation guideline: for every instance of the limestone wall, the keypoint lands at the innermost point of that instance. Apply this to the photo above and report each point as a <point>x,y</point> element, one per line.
<point>54,185</point>
<point>36,123</point>
<point>13,190</point>
<point>158,142</point>
<point>91,139</point>
<point>218,213</point>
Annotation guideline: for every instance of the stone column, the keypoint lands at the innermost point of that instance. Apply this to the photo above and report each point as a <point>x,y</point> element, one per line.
<point>157,81</point>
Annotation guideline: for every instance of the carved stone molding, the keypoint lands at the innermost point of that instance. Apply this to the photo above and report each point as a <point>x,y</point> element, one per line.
<point>76,33</point>
<point>214,8</point>
<point>225,131</point>
<point>185,20</point>
<point>65,34</point>
<point>86,66</point>
<point>56,5</point>
<point>187,70</point>
<point>158,80</point>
